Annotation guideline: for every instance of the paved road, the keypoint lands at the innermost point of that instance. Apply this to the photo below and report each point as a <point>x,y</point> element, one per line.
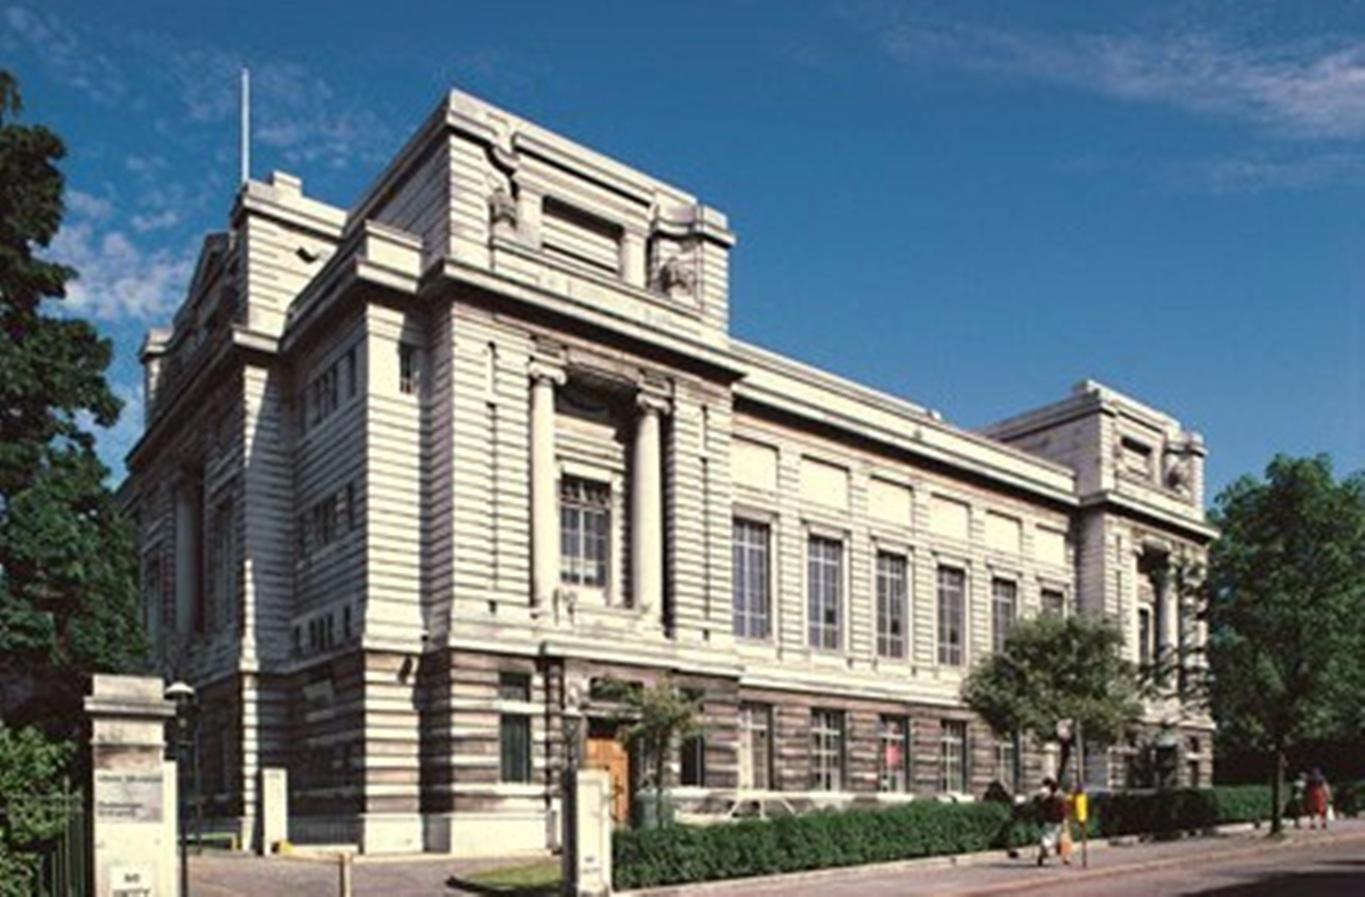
<point>243,875</point>
<point>1306,870</point>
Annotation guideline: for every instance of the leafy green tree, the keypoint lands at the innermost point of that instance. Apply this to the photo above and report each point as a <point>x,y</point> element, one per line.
<point>32,778</point>
<point>1053,669</point>
<point>68,595</point>
<point>1286,609</point>
<point>654,720</point>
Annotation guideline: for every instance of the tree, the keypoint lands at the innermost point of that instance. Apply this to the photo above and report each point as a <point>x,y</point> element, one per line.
<point>1286,608</point>
<point>1053,669</point>
<point>32,776</point>
<point>654,720</point>
<point>68,597</point>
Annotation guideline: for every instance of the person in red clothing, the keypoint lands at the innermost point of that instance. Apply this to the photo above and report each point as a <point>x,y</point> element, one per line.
<point>1316,798</point>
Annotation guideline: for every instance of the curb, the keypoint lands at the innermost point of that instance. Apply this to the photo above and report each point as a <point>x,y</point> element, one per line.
<point>967,860</point>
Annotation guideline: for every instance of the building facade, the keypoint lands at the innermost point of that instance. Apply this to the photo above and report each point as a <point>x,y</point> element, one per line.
<point>419,475</point>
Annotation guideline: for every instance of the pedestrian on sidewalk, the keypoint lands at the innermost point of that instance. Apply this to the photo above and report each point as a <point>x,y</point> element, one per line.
<point>1317,797</point>
<point>1053,818</point>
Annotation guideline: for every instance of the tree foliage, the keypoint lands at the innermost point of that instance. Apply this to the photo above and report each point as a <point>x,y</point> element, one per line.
<point>655,718</point>
<point>1286,607</point>
<point>1052,669</point>
<point>68,598</point>
<point>32,809</point>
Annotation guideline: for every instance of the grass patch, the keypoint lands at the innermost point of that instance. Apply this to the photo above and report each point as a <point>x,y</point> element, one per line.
<point>540,879</point>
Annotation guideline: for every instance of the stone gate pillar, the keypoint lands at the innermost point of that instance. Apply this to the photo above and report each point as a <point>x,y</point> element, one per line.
<point>132,798</point>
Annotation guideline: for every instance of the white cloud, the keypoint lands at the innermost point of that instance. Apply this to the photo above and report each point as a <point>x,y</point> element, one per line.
<point>159,220</point>
<point>61,50</point>
<point>1304,89</point>
<point>119,279</point>
<point>86,205</point>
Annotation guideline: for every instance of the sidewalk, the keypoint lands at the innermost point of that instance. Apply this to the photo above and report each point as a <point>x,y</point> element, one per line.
<point>994,873</point>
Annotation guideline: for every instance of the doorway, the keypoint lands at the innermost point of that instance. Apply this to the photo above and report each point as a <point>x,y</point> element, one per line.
<point>604,751</point>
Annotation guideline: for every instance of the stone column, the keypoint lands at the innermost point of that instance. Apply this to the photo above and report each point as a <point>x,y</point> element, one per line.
<point>544,497</point>
<point>647,518</point>
<point>1168,616</point>
<point>530,202</point>
<point>633,258</point>
<point>132,796</point>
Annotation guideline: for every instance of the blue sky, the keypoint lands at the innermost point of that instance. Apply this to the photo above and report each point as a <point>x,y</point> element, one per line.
<point>973,205</point>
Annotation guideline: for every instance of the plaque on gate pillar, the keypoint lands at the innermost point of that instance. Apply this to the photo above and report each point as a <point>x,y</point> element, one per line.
<point>132,799</point>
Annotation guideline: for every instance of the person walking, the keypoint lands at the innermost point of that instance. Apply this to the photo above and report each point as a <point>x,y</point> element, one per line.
<point>1052,812</point>
<point>1317,797</point>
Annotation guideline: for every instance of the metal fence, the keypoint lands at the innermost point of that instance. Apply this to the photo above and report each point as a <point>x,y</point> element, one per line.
<point>52,830</point>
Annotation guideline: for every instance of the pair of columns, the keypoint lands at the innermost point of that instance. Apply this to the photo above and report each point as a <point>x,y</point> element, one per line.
<point>646,505</point>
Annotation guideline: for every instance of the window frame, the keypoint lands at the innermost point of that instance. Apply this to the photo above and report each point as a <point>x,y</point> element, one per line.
<point>749,711</point>
<point>952,746</point>
<point>573,556</point>
<point>887,735</point>
<point>889,644</point>
<point>748,620</point>
<point>828,749</point>
<point>954,653</point>
<point>824,573</point>
<point>1000,629</point>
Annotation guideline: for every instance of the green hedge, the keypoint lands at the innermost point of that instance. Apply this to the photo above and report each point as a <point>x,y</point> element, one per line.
<point>679,854</point>
<point>1348,798</point>
<point>682,854</point>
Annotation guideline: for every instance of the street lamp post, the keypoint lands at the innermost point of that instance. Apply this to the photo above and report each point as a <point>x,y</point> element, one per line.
<point>183,697</point>
<point>568,803</point>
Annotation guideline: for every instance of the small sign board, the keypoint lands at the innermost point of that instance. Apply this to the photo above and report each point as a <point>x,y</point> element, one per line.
<point>126,796</point>
<point>131,881</point>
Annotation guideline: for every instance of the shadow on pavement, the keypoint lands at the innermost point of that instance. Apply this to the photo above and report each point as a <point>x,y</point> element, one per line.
<point>1299,884</point>
<point>464,886</point>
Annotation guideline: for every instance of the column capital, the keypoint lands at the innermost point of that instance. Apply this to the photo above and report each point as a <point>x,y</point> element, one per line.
<point>652,402</point>
<point>543,369</point>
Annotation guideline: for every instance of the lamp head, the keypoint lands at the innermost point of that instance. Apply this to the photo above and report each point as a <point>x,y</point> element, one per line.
<point>181,693</point>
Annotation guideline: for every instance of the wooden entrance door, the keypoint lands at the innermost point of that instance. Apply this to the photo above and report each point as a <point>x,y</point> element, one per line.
<point>603,751</point>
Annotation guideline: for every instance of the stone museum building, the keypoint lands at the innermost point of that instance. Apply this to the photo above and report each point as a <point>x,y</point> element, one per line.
<point>419,474</point>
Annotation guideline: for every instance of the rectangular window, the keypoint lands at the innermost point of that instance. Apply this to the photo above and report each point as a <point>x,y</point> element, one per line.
<point>223,567</point>
<point>301,535</point>
<point>350,507</point>
<point>752,603</point>
<point>1007,764</point>
<point>826,750</point>
<point>584,517</point>
<point>514,686</point>
<point>952,757</point>
<point>350,372</point>
<point>1004,610</point>
<point>1054,602</point>
<point>952,617</point>
<point>893,754</point>
<point>407,368</point>
<point>693,761</point>
<point>1145,652</point>
<point>756,746</point>
<point>514,738</point>
<point>152,605</point>
<point>825,586</point>
<point>891,594</point>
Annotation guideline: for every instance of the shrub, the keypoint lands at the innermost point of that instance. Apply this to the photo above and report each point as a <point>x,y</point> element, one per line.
<point>820,840</point>
<point>825,839</point>
<point>1348,798</point>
